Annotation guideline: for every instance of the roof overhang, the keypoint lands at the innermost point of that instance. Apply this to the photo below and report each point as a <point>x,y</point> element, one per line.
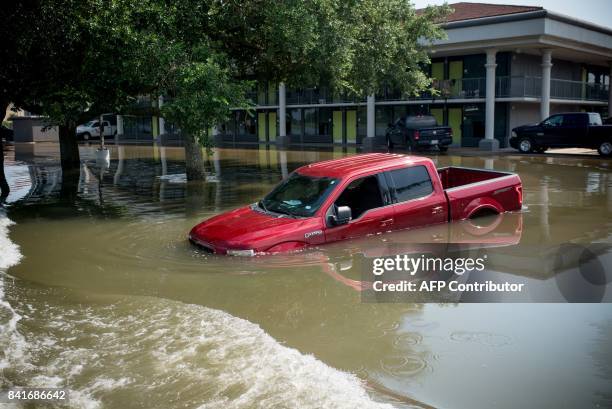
<point>528,32</point>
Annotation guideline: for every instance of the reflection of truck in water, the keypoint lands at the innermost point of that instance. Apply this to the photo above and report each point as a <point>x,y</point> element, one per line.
<point>354,197</point>
<point>351,263</point>
<point>91,129</point>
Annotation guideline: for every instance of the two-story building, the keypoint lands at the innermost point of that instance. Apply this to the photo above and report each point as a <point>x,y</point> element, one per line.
<point>499,67</point>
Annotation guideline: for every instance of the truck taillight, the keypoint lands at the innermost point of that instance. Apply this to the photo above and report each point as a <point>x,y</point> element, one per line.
<point>519,192</point>
<point>417,135</point>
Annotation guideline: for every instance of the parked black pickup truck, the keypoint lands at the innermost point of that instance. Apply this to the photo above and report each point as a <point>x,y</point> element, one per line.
<point>567,130</point>
<point>418,132</point>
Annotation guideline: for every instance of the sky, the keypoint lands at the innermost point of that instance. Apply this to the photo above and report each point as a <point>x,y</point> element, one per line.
<point>594,11</point>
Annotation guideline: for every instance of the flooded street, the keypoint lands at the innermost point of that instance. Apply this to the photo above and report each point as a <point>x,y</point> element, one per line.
<point>106,296</point>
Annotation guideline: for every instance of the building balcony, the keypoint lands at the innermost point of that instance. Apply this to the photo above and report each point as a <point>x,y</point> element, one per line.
<point>528,87</point>
<point>313,96</point>
<point>506,87</point>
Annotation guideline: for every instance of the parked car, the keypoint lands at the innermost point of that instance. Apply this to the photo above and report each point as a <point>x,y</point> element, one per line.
<point>6,133</point>
<point>418,132</point>
<point>566,130</point>
<point>357,196</point>
<point>91,129</point>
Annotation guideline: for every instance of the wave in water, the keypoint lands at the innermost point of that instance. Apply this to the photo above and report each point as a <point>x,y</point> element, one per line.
<point>156,353</point>
<point>9,251</point>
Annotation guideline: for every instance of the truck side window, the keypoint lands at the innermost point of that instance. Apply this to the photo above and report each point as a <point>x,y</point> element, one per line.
<point>573,120</point>
<point>595,120</point>
<point>555,120</point>
<point>361,195</point>
<point>411,183</point>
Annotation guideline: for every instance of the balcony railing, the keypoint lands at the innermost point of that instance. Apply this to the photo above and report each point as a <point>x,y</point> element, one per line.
<point>506,87</point>
<point>464,88</point>
<point>308,96</point>
<point>563,89</point>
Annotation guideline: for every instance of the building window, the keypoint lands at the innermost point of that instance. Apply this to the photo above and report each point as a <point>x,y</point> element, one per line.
<point>384,115</point>
<point>310,121</point>
<point>325,121</point>
<point>294,124</point>
<point>245,124</point>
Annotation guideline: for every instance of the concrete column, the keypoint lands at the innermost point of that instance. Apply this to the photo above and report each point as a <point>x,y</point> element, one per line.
<point>490,95</point>
<point>217,162</point>
<point>283,139</point>
<point>283,163</point>
<point>161,120</point>
<point>368,143</point>
<point>489,142</point>
<point>371,117</point>
<point>119,124</point>
<point>546,68</point>
<point>282,109</point>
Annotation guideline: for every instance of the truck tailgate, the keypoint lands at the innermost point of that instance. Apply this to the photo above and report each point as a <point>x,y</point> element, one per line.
<point>472,191</point>
<point>438,132</point>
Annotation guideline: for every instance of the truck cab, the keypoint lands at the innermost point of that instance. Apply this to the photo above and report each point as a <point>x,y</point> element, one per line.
<point>355,197</point>
<point>91,129</point>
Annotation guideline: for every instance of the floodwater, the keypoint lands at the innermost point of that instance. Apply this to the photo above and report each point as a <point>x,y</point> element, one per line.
<point>103,294</point>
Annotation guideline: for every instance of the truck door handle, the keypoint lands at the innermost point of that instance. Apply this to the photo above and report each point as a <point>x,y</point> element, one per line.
<point>386,222</point>
<point>437,209</point>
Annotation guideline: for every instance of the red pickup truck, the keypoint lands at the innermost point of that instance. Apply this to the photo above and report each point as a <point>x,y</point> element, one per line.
<point>355,196</point>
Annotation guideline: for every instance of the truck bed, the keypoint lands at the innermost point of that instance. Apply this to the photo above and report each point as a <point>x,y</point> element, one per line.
<point>472,192</point>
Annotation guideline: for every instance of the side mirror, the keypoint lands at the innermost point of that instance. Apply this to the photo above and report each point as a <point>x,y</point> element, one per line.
<point>343,216</point>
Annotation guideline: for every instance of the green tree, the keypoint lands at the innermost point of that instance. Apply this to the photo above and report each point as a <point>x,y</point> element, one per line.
<point>354,46</point>
<point>201,93</point>
<point>73,59</point>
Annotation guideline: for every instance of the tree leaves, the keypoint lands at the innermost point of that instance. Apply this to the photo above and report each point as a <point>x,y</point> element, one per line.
<point>70,59</point>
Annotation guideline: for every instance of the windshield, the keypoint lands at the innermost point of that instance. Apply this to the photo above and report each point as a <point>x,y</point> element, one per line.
<point>299,195</point>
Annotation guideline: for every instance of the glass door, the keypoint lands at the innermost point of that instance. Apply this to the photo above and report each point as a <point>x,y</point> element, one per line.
<point>455,121</point>
<point>351,126</point>
<point>337,127</point>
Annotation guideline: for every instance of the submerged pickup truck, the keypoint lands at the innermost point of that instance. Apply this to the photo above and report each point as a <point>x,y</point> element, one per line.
<point>357,196</point>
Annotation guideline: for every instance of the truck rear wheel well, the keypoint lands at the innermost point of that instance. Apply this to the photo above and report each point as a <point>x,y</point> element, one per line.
<point>483,211</point>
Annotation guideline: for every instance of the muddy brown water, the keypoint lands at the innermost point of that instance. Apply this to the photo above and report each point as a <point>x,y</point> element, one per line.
<point>106,297</point>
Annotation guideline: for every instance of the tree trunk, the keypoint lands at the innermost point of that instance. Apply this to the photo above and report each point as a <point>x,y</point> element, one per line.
<point>71,163</point>
<point>4,187</point>
<point>69,148</point>
<point>194,160</point>
<point>69,188</point>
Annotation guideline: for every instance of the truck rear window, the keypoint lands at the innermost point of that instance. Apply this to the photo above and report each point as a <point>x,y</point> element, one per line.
<point>411,183</point>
